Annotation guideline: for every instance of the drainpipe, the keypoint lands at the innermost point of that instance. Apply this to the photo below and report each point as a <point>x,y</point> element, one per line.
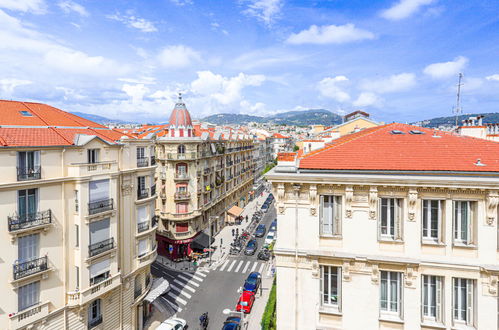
<point>64,247</point>
<point>296,188</point>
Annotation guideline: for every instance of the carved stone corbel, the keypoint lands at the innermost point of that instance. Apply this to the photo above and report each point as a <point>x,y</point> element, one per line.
<point>375,274</point>
<point>412,200</point>
<point>493,281</point>
<point>492,201</point>
<point>281,209</point>
<point>315,268</point>
<point>313,199</point>
<point>280,192</point>
<point>126,189</point>
<point>348,201</point>
<point>409,277</point>
<point>373,202</point>
<point>346,271</point>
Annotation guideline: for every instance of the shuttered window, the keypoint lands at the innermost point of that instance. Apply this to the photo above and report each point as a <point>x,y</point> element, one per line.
<point>432,219</point>
<point>28,247</point>
<point>390,219</point>
<point>391,293</point>
<point>142,214</point>
<point>330,215</point>
<point>142,247</point>
<point>432,297</point>
<point>182,227</point>
<point>99,190</point>
<point>330,286</point>
<point>463,295</point>
<point>463,222</point>
<point>28,295</point>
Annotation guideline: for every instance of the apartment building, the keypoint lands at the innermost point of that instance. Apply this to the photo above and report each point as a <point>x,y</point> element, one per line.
<point>202,174</point>
<point>78,203</point>
<point>393,227</point>
<point>280,143</point>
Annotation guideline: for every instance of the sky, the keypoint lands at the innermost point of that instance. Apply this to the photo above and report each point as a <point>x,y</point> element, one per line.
<point>399,60</point>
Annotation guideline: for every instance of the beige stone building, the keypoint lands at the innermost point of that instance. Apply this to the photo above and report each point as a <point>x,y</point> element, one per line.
<point>393,227</point>
<point>78,203</point>
<point>202,174</point>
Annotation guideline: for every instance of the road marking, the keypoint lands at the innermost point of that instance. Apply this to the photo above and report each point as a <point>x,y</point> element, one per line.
<point>182,292</point>
<point>198,272</point>
<point>197,278</point>
<point>190,281</point>
<point>231,265</point>
<point>176,308</point>
<point>261,267</point>
<point>246,267</point>
<point>177,298</point>
<point>184,286</point>
<point>239,266</point>
<point>254,266</point>
<point>224,265</point>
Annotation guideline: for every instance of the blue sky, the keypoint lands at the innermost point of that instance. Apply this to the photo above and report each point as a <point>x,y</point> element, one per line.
<point>397,59</point>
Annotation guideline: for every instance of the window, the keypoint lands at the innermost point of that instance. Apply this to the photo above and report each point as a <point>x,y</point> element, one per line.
<point>181,169</point>
<point>463,211</point>
<point>28,165</point>
<point>99,271</point>
<point>432,218</point>
<point>28,295</point>
<point>142,248</point>
<point>182,207</point>
<point>432,297</point>
<point>77,202</point>
<point>182,227</point>
<point>330,286</point>
<point>27,203</point>
<point>137,286</point>
<point>390,219</point>
<point>27,248</point>
<point>181,149</point>
<point>463,296</point>
<point>77,272</point>
<point>25,113</point>
<point>330,215</point>
<point>141,152</point>
<point>99,190</point>
<point>391,293</point>
<point>94,313</point>
<point>99,231</point>
<point>92,156</point>
<point>77,236</point>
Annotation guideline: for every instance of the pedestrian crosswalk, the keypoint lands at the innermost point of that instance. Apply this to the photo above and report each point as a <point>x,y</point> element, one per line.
<point>182,288</point>
<point>240,266</point>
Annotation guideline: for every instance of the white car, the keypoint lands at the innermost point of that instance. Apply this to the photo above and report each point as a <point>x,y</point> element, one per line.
<point>173,323</point>
<point>270,238</point>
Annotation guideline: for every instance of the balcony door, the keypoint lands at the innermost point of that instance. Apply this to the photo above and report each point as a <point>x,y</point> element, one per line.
<point>29,160</point>
<point>28,247</point>
<point>27,202</point>
<point>99,190</point>
<point>99,231</point>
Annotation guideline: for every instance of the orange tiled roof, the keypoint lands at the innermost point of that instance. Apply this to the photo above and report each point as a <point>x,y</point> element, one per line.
<point>377,148</point>
<point>279,136</point>
<point>286,156</point>
<point>45,125</point>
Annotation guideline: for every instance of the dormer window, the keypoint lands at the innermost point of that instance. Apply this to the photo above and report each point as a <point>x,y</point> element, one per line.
<point>92,156</point>
<point>25,113</point>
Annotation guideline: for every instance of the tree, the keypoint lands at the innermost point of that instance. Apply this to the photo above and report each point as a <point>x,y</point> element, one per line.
<point>296,148</point>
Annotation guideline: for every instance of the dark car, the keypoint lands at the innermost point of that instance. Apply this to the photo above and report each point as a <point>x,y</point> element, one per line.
<point>260,230</point>
<point>250,248</point>
<point>253,282</point>
<point>265,207</point>
<point>264,254</point>
<point>232,323</point>
<point>273,225</point>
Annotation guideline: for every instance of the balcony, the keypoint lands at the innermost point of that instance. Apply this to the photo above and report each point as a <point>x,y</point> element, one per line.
<point>76,298</point>
<point>142,226</point>
<point>153,160</point>
<point>30,315</point>
<point>182,195</point>
<point>30,267</point>
<point>184,156</point>
<point>142,162</point>
<point>84,169</point>
<point>142,193</point>
<point>32,220</point>
<point>100,206</point>
<point>100,247</point>
<point>29,173</point>
<point>181,176</point>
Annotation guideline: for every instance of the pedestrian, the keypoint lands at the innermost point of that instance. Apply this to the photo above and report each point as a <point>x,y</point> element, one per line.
<point>246,218</point>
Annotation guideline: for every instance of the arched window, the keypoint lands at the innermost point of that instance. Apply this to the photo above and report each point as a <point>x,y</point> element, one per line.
<point>181,149</point>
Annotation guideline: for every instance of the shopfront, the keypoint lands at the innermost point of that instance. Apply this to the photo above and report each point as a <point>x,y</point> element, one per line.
<point>174,249</point>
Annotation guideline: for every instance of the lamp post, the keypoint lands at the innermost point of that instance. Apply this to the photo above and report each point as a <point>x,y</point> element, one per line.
<point>211,235</point>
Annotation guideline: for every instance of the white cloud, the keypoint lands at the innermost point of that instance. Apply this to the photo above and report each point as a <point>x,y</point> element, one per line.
<point>494,77</point>
<point>446,69</point>
<point>329,34</point>
<point>394,83</point>
<point>135,92</point>
<point>178,56</point>
<point>222,89</point>
<point>328,87</point>
<point>32,6</point>
<point>134,22</point>
<point>266,11</point>
<point>181,2</point>
<point>404,9</point>
<point>367,99</point>
<point>7,86</point>
<point>70,6</point>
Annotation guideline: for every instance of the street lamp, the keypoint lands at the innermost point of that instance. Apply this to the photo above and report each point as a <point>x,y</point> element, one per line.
<point>211,235</point>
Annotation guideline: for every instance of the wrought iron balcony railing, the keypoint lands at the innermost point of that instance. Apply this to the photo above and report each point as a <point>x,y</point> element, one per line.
<point>94,322</point>
<point>29,173</point>
<point>27,268</point>
<point>100,206</point>
<point>142,193</point>
<point>142,226</point>
<point>100,247</point>
<point>142,162</point>
<point>19,222</point>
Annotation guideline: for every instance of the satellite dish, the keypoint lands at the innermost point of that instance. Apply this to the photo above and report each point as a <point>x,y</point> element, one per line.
<point>226,311</point>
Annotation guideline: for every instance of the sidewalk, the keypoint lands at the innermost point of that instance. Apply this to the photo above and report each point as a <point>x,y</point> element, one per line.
<point>255,317</point>
<point>220,254</point>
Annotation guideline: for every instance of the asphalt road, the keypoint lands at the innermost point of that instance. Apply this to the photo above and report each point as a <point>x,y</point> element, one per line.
<point>193,294</point>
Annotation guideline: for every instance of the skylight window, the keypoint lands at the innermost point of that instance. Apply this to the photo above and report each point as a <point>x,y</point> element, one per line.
<point>26,114</point>
<point>416,132</point>
<point>397,132</point>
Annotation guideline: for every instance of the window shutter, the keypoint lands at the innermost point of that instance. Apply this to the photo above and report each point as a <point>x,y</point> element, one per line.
<point>321,217</point>
<point>439,298</point>
<point>321,289</point>
<point>455,212</point>
<point>339,282</point>
<point>469,302</point>
<point>379,215</point>
<point>337,215</point>
<point>470,222</point>
<point>398,219</point>
<point>36,156</point>
<point>440,222</point>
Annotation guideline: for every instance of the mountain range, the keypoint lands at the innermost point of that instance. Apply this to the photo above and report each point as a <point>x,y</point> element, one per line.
<point>99,119</point>
<point>489,117</point>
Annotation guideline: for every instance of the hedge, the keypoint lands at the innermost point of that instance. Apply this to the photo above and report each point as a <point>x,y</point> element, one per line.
<point>269,317</point>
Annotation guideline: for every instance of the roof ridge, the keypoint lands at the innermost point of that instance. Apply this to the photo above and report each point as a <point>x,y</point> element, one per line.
<point>72,117</point>
<point>358,135</point>
<point>61,135</point>
<point>36,113</point>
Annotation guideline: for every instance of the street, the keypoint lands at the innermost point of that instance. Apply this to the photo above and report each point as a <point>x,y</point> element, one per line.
<point>212,290</point>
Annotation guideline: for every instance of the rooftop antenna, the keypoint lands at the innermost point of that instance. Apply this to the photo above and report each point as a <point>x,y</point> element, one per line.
<point>457,109</point>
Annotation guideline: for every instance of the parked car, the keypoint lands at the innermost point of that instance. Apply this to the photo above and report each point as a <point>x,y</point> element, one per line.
<point>273,225</point>
<point>173,323</point>
<point>260,230</point>
<point>232,323</point>
<point>245,302</point>
<point>250,248</point>
<point>265,207</point>
<point>270,238</point>
<point>264,254</point>
<point>253,282</point>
